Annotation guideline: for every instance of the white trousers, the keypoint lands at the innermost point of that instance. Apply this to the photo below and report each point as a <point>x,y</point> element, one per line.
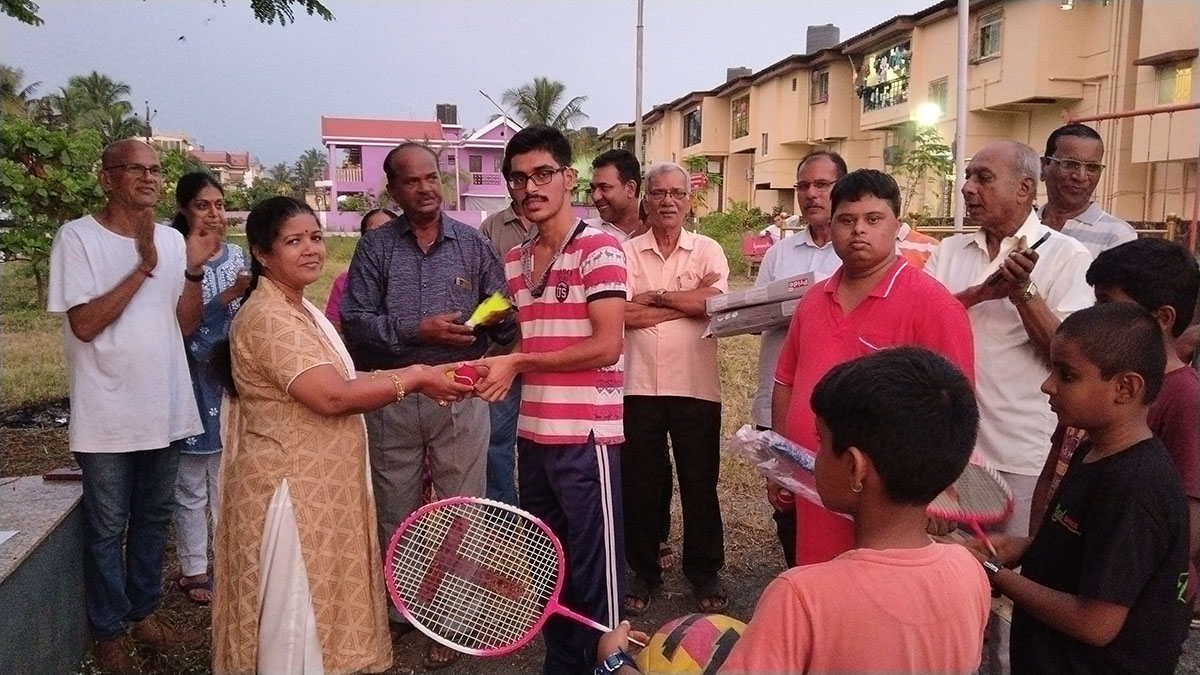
<point>196,493</point>
<point>287,626</point>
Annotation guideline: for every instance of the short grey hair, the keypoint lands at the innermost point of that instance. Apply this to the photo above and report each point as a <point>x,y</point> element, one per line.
<point>1025,160</point>
<point>665,167</point>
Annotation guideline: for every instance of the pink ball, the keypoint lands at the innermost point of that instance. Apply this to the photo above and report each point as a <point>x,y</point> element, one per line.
<point>466,374</point>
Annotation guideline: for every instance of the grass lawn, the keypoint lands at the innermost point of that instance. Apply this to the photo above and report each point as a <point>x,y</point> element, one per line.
<point>34,374</point>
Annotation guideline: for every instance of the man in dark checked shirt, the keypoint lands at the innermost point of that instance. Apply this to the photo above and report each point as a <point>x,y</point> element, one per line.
<point>411,286</point>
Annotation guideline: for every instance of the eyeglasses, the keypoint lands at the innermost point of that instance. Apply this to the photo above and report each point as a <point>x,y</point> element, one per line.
<point>659,195</point>
<point>820,185</point>
<point>1074,165</point>
<point>518,181</point>
<point>137,170</point>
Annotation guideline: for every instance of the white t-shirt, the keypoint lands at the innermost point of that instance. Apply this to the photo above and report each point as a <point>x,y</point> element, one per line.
<point>1015,420</point>
<point>789,257</point>
<point>130,387</point>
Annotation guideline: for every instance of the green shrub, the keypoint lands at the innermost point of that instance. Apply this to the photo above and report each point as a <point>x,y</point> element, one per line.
<point>727,228</point>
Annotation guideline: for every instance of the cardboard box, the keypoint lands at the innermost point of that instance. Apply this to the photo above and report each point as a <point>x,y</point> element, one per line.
<point>776,291</point>
<point>751,319</point>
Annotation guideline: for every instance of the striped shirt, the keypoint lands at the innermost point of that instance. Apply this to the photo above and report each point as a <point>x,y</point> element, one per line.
<point>1097,229</point>
<point>566,407</point>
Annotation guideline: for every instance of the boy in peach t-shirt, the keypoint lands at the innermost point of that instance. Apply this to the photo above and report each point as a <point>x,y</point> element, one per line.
<point>895,428</point>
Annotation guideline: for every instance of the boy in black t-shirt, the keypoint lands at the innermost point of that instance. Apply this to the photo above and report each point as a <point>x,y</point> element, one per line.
<point>1102,584</point>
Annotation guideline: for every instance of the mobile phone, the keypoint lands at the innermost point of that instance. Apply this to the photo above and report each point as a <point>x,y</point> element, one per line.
<point>996,275</point>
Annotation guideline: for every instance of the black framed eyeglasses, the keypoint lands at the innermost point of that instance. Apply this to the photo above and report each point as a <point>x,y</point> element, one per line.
<point>518,181</point>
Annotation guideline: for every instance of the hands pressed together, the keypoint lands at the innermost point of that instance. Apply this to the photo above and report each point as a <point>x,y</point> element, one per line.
<point>1013,277</point>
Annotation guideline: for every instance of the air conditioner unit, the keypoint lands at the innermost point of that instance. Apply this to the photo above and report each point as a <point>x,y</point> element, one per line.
<point>891,155</point>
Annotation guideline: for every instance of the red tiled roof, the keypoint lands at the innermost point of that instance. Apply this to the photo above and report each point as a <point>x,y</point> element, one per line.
<point>352,128</point>
<point>233,160</point>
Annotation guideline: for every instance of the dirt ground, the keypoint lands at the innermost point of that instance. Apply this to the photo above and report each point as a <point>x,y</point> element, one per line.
<point>752,559</point>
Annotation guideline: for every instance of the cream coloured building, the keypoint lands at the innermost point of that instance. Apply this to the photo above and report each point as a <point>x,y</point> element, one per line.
<point>1033,63</point>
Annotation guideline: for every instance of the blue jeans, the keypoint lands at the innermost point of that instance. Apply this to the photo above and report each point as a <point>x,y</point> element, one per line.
<point>502,458</point>
<point>128,499</point>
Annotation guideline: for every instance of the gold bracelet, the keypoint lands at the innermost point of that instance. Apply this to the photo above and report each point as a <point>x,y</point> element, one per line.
<point>400,393</point>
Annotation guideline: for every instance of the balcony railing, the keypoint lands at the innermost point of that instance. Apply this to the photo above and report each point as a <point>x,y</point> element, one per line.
<point>885,94</point>
<point>350,174</point>
<point>486,179</point>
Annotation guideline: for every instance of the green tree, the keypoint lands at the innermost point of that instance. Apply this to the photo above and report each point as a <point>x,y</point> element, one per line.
<point>311,166</point>
<point>115,123</point>
<point>266,11</point>
<point>47,177</point>
<point>175,163</point>
<point>541,102</point>
<point>16,97</point>
<point>282,174</point>
<point>92,101</point>
<point>923,158</point>
<point>244,198</point>
<point>699,164</point>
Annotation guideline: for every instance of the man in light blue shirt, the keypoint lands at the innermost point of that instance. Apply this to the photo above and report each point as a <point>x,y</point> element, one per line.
<point>809,250</point>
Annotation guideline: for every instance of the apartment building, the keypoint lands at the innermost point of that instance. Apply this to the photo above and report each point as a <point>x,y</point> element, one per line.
<point>1033,64</point>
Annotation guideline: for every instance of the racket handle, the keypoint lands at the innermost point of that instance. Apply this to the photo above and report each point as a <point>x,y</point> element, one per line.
<point>981,535</point>
<point>590,623</point>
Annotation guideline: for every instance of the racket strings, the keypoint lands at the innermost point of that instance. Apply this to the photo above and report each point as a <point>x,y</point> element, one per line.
<point>979,494</point>
<point>480,577</point>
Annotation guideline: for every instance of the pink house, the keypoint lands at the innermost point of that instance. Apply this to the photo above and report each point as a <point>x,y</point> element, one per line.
<point>471,165</point>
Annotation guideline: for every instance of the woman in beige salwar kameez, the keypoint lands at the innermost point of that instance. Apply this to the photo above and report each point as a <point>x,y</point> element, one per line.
<point>299,583</point>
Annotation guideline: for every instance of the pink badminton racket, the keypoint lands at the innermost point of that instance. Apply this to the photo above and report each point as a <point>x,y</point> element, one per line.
<point>476,575</point>
<point>979,497</point>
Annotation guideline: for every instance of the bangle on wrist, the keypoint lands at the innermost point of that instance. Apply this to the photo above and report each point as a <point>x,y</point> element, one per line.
<point>195,278</point>
<point>400,393</point>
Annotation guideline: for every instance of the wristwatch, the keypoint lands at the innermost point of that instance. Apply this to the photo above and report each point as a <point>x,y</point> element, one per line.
<point>614,662</point>
<point>658,296</point>
<point>991,568</point>
<point>1030,291</point>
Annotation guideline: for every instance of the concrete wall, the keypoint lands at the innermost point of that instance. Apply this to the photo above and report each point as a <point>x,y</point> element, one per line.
<point>44,627</point>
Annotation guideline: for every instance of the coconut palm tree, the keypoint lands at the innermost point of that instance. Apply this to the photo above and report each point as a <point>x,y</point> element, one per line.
<point>311,166</point>
<point>96,91</point>
<point>115,123</point>
<point>541,102</point>
<point>16,97</point>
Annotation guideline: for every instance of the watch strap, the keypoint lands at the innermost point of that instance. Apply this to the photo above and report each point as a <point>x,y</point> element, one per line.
<point>614,662</point>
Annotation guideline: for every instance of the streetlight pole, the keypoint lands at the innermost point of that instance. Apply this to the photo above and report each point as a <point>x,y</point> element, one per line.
<point>637,103</point>
<point>960,115</point>
<point>149,117</point>
<point>503,114</point>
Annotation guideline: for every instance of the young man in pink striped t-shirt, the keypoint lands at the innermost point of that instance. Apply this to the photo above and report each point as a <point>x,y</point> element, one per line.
<point>569,286</point>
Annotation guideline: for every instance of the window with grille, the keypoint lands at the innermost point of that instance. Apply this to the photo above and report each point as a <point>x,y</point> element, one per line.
<point>939,93</point>
<point>691,128</point>
<point>989,36</point>
<point>739,113</point>
<point>819,93</point>
<point>1174,83</point>
<point>475,163</point>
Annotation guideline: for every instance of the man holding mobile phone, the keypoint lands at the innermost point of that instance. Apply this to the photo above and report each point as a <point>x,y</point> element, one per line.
<point>1014,317</point>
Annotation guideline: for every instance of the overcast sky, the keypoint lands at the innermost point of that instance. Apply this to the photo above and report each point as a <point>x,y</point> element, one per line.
<point>214,73</point>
